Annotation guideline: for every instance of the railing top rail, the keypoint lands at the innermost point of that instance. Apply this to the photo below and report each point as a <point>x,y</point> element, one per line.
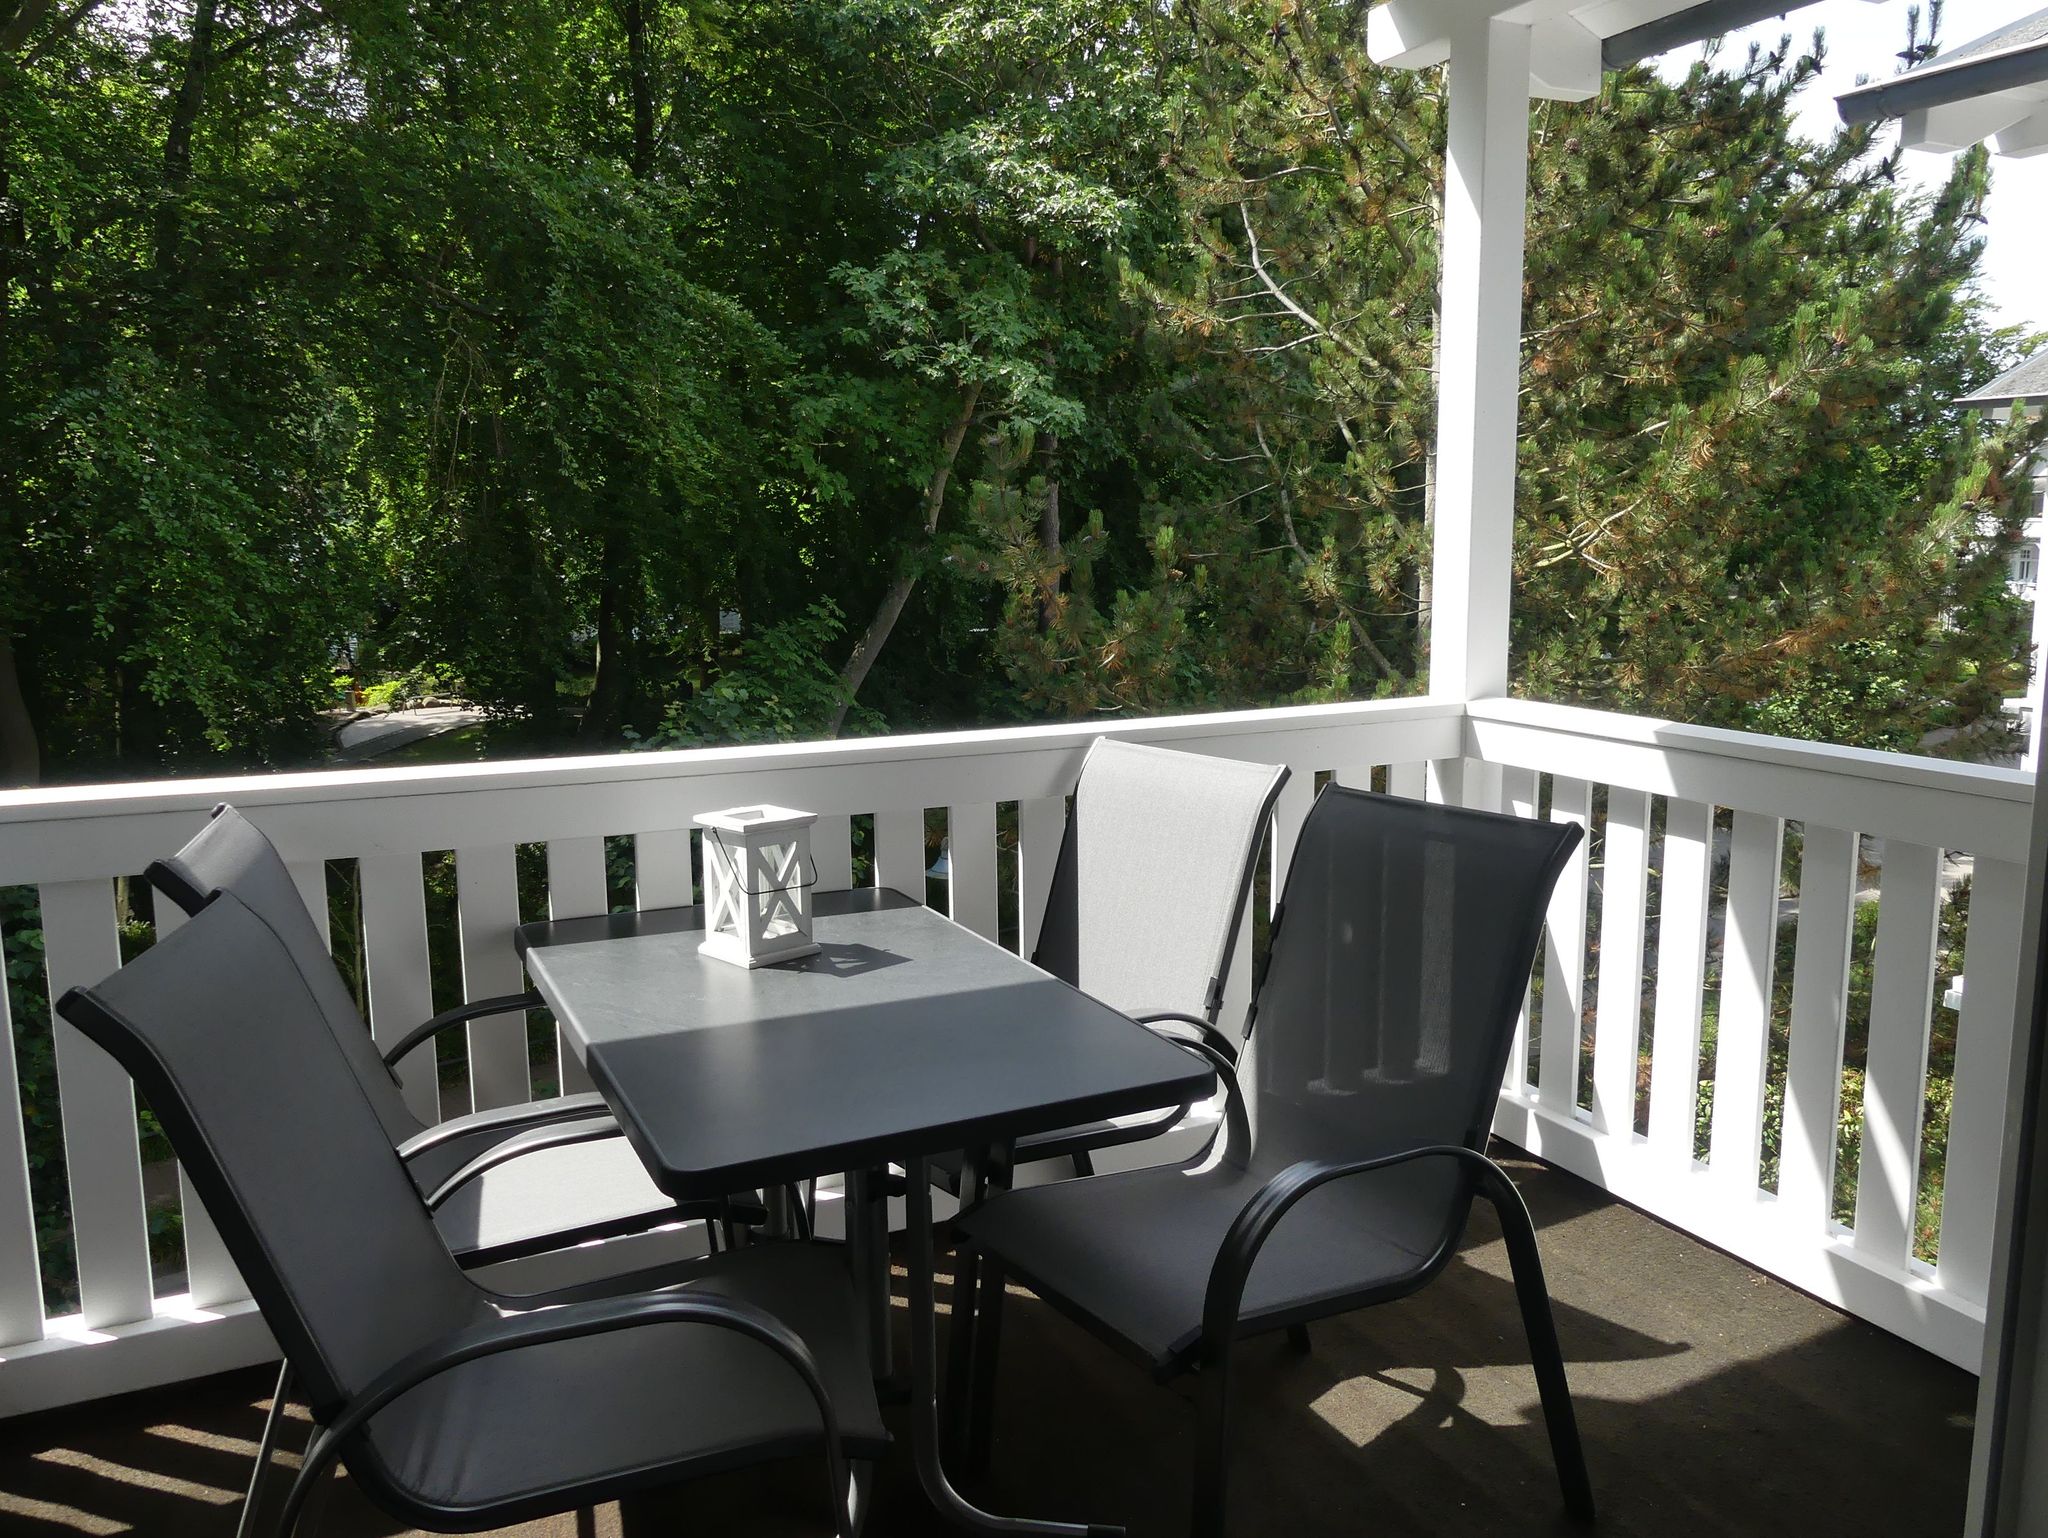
<point>602,768</point>
<point>1905,769</point>
<point>89,832</point>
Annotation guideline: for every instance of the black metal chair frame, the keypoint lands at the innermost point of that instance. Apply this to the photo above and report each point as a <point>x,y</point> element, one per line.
<point>1209,1357</point>
<point>607,1305</point>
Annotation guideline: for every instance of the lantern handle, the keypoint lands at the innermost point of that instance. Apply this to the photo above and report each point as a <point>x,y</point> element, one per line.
<point>746,891</point>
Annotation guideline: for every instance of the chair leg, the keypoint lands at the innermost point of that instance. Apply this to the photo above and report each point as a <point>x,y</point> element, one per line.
<point>1084,1163</point>
<point>860,1492</point>
<point>988,1338</point>
<point>1297,1337</point>
<point>1210,1513</point>
<point>960,1348</point>
<point>266,1448</point>
<point>1544,1352</point>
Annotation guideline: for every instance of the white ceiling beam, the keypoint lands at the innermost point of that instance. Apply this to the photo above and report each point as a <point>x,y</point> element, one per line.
<point>1416,34</point>
<point>1959,124</point>
<point>2026,137</point>
<point>1567,37</point>
<point>1564,61</point>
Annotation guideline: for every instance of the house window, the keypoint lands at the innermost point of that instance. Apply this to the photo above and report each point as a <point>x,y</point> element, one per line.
<point>2026,563</point>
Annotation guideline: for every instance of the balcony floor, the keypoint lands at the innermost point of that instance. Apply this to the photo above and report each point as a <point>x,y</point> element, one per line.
<point>1713,1400</point>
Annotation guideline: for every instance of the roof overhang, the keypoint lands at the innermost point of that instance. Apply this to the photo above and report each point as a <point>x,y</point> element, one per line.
<point>1997,93</point>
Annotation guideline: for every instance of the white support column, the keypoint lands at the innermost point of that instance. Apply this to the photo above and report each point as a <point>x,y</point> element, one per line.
<point>1479,348</point>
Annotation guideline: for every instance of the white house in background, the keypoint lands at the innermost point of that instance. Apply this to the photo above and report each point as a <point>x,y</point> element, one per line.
<point>2024,388</point>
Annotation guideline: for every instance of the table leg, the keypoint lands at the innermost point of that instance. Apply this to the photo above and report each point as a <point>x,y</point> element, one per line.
<point>781,1221</point>
<point>867,1244</point>
<point>924,1385</point>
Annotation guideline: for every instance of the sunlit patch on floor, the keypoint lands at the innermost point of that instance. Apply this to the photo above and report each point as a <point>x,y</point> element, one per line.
<point>58,1515</point>
<point>120,1473</point>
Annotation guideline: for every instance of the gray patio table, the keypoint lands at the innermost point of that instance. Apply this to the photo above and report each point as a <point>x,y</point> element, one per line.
<point>906,1036</point>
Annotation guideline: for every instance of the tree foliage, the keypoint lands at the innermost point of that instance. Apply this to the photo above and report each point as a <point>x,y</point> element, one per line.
<point>664,371</point>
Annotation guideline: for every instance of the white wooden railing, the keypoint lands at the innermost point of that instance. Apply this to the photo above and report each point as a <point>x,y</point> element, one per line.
<point>1669,779</point>
<point>73,845</point>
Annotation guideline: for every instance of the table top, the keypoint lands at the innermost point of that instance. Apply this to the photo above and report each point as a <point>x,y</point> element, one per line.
<point>905,1035</point>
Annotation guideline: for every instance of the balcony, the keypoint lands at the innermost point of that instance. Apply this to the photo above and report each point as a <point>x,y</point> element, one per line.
<point>1715,926</point>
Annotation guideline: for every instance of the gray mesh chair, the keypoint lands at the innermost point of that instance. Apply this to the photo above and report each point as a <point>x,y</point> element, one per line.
<point>1354,1143</point>
<point>451,1412</point>
<point>1143,913</point>
<point>1145,904</point>
<point>504,1183</point>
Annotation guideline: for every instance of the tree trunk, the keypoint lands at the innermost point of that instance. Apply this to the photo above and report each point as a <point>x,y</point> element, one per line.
<point>1049,529</point>
<point>618,568</point>
<point>855,673</point>
<point>642,88</point>
<point>186,106</point>
<point>20,755</point>
<point>609,688</point>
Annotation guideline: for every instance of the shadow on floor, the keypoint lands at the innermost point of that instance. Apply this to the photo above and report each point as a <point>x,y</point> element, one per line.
<point>1713,1401</point>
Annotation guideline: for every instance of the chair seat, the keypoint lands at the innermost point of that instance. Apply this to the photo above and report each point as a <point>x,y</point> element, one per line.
<point>553,1198</point>
<point>507,1437</point>
<point>1128,1255</point>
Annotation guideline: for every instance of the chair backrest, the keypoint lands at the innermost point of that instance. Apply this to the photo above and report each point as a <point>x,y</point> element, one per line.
<point>230,854</point>
<point>1153,875</point>
<point>1400,957</point>
<point>220,1033</point>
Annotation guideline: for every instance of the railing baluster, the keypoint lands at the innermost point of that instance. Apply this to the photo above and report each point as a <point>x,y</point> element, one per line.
<point>1518,791</point>
<point>1976,1123</point>
<point>1619,1010</point>
<point>109,1228</point>
<point>487,911</point>
<point>1742,1052</point>
<point>662,873</point>
<point>576,889</point>
<point>1820,1012</point>
<point>971,857</point>
<point>1289,813</point>
<point>1041,825</point>
<point>1895,1074</point>
<point>1564,959</point>
<point>1410,780</point>
<point>1681,973</point>
<point>21,1286</point>
<point>401,976</point>
<point>899,852</point>
<point>310,877</point>
<point>832,849</point>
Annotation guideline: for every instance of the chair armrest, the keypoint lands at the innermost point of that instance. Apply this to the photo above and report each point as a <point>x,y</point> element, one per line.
<point>1255,1223</point>
<point>427,1030</point>
<point>1204,1029</point>
<point>506,1119</point>
<point>1236,1122</point>
<point>571,1321</point>
<point>562,1135</point>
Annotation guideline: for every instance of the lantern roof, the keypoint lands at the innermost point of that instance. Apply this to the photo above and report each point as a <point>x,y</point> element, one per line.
<point>759,818</point>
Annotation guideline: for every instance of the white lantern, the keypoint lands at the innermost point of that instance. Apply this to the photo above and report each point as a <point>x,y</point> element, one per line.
<point>757,885</point>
